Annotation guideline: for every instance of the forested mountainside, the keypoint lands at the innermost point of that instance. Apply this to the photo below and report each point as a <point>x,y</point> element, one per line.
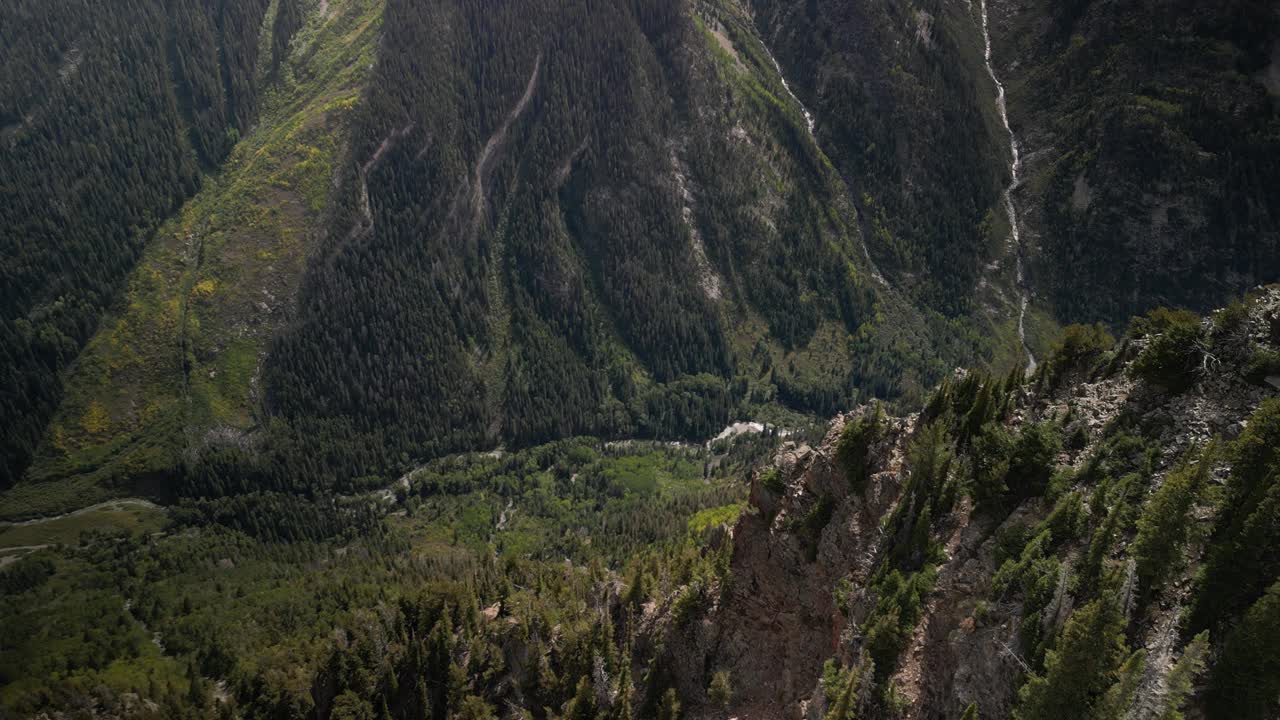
<point>108,114</point>
<point>432,241</point>
<point>907,115</point>
<point>1151,138</point>
<point>1148,134</point>
<point>627,230</point>
<point>636,235</point>
<point>175,365</point>
<point>390,359</point>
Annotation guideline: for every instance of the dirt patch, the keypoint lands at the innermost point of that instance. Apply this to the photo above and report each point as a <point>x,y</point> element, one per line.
<point>727,45</point>
<point>1271,76</point>
<point>924,27</point>
<point>1081,194</point>
<point>487,155</point>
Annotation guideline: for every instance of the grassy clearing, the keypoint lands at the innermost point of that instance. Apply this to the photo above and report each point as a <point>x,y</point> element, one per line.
<point>132,519</point>
<point>574,499</point>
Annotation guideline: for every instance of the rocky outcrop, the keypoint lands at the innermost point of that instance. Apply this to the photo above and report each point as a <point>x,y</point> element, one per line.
<point>779,621</point>
<point>798,590</point>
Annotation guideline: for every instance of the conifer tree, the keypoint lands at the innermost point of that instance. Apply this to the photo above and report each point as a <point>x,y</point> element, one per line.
<point>1079,669</point>
<point>669,708</point>
<point>1183,673</point>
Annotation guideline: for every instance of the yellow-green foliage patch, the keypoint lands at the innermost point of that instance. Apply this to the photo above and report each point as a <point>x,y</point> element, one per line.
<point>709,518</point>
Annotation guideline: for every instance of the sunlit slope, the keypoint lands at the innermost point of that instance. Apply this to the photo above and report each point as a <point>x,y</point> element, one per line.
<point>178,358</point>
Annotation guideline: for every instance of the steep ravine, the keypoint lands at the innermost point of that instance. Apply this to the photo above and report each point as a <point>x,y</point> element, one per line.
<point>1015,167</point>
<point>808,118</point>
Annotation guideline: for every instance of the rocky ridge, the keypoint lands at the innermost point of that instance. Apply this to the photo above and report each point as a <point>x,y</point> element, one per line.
<point>806,559</point>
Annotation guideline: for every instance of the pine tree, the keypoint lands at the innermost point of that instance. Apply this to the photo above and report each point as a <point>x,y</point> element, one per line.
<point>1164,524</point>
<point>1182,674</point>
<point>475,707</point>
<point>1245,683</point>
<point>424,700</point>
<point>846,704</point>
<point>1115,704</point>
<point>197,692</point>
<point>583,704</point>
<point>1079,669</point>
<point>719,691</point>
<point>669,709</point>
<point>622,707</point>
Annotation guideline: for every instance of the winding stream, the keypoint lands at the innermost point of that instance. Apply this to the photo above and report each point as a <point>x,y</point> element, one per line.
<point>1015,168</point>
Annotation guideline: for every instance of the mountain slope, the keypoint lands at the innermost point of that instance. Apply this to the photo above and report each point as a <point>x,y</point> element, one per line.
<point>107,116</point>
<point>620,231</point>
<point>177,366</point>
<point>553,261</point>
<point>640,237</point>
<point>1151,135</point>
<point>640,228</point>
<point>905,113</point>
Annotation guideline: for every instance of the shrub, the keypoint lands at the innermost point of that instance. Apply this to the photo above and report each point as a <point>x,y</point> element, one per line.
<point>809,528</point>
<point>1160,320</point>
<point>842,593</point>
<point>1174,352</point>
<point>689,603</point>
<point>982,612</point>
<point>855,442</point>
<point>720,691</point>
<point>1079,438</point>
<point>1079,344</point>
<point>1230,319</point>
<point>1261,365</point>
<point>771,480</point>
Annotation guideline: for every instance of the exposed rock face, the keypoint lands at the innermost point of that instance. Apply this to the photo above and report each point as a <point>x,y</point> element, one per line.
<point>778,619</point>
